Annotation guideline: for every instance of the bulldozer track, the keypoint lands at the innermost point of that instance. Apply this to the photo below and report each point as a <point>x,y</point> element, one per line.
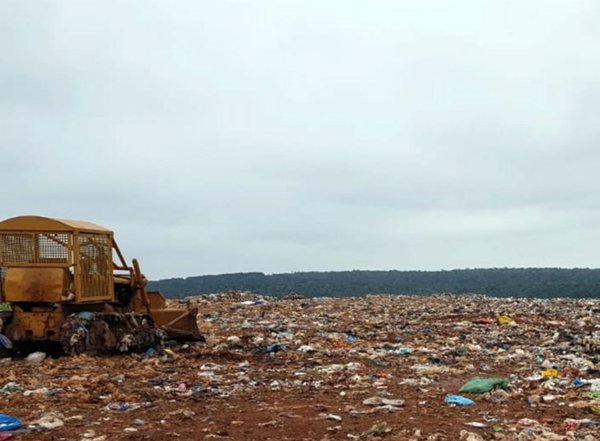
<point>109,332</point>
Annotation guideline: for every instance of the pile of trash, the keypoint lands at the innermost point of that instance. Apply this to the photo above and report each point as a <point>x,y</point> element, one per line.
<point>378,367</point>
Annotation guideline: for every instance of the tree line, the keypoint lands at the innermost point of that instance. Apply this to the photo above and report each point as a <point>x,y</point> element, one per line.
<point>498,282</point>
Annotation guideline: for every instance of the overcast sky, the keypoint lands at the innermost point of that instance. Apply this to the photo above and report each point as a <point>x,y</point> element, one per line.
<point>224,136</point>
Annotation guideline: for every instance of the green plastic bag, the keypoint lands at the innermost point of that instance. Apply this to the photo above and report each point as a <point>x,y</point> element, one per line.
<point>593,395</point>
<point>482,385</point>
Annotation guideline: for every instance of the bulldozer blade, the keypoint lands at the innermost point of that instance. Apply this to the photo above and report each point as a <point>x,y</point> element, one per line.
<point>178,323</point>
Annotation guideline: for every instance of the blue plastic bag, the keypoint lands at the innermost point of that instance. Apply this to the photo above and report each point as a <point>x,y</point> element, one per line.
<point>8,423</point>
<point>457,399</point>
<point>5,341</point>
<point>578,382</point>
<point>86,315</point>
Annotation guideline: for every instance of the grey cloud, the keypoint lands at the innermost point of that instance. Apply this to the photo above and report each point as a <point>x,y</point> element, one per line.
<point>280,136</point>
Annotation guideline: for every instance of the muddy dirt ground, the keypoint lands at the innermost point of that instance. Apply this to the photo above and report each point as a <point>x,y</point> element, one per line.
<point>377,367</point>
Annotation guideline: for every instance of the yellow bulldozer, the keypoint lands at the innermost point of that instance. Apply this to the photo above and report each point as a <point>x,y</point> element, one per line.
<point>66,284</point>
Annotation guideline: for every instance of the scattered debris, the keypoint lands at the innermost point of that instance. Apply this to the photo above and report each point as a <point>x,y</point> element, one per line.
<point>389,367</point>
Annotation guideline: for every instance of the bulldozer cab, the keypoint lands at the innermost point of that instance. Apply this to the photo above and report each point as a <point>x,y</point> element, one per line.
<point>45,259</point>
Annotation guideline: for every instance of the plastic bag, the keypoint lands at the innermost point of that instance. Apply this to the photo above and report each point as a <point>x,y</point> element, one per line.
<point>5,341</point>
<point>550,373</point>
<point>8,423</point>
<point>457,399</point>
<point>36,357</point>
<point>482,385</point>
<point>504,320</point>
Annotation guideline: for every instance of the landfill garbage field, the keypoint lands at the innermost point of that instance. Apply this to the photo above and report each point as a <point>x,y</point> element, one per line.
<point>377,367</point>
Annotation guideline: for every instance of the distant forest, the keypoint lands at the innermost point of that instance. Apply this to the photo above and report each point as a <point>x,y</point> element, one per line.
<point>498,282</point>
